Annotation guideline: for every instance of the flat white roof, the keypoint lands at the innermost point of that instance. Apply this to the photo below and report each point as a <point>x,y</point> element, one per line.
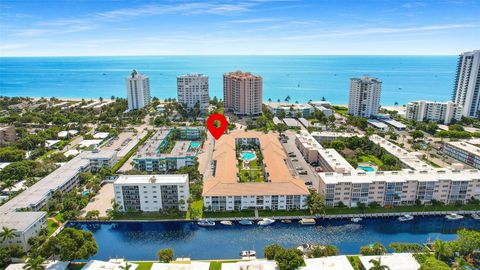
<point>87,143</point>
<point>394,123</point>
<point>20,221</point>
<point>110,265</point>
<point>467,147</point>
<point>335,160</point>
<point>153,179</point>
<point>291,122</point>
<point>254,265</point>
<point>334,134</point>
<point>377,123</point>
<point>330,263</point>
<point>399,176</point>
<point>394,261</point>
<point>101,135</point>
<point>4,164</point>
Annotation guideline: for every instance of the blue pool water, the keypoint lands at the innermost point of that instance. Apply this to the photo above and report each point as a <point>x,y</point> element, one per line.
<point>141,240</point>
<point>195,144</point>
<point>300,77</point>
<point>367,168</point>
<point>247,155</point>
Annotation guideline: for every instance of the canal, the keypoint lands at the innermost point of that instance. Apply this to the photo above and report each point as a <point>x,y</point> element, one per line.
<point>142,240</point>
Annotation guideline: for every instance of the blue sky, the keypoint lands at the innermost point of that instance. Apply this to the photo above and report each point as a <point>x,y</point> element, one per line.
<point>219,27</point>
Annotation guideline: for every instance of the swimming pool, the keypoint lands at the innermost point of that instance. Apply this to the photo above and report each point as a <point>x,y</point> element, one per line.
<point>195,144</point>
<point>247,155</point>
<point>367,168</point>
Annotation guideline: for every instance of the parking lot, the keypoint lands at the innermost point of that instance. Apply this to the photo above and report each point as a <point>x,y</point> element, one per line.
<point>298,161</point>
<point>123,143</point>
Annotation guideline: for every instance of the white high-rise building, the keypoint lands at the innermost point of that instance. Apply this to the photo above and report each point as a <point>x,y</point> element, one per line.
<point>467,83</point>
<point>193,89</point>
<point>441,112</point>
<point>138,91</point>
<point>364,99</point>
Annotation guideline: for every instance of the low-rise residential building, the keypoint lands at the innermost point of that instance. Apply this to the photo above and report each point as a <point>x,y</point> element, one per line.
<point>102,159</point>
<point>399,187</point>
<point>7,134</point>
<point>394,123</point>
<point>378,125</point>
<point>464,152</point>
<point>112,264</point>
<point>291,122</point>
<point>441,112</point>
<point>291,109</point>
<point>279,191</point>
<point>308,146</point>
<point>158,153</point>
<point>330,263</point>
<point>331,136</point>
<point>152,193</point>
<point>393,261</point>
<point>25,224</point>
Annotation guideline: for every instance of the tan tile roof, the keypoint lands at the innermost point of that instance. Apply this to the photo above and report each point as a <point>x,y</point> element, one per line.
<point>225,182</point>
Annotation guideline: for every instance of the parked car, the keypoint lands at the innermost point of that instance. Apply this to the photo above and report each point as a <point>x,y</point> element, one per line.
<point>292,155</point>
<point>303,172</point>
<point>294,159</point>
<point>298,168</point>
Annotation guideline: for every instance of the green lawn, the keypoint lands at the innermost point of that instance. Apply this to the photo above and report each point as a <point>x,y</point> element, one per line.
<point>341,110</point>
<point>217,265</point>
<point>51,227</point>
<point>254,174</point>
<point>370,158</point>
<point>144,265</point>
<point>198,205</point>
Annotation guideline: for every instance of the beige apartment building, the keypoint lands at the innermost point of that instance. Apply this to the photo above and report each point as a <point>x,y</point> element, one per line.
<point>242,93</point>
<point>399,187</point>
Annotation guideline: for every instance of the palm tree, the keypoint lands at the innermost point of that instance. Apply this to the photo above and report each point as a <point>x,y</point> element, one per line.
<point>34,263</point>
<point>442,249</point>
<point>377,265</point>
<point>127,266</point>
<point>7,234</point>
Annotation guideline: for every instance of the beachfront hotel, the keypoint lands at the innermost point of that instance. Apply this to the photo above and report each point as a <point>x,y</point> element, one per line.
<point>169,149</point>
<point>279,190</point>
<point>193,89</point>
<point>152,193</point>
<point>441,112</point>
<point>292,109</point>
<point>467,83</point>
<point>138,90</point>
<point>242,93</point>
<point>364,99</point>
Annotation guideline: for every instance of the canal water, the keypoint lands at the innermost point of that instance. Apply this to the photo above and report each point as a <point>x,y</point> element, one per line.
<point>142,240</point>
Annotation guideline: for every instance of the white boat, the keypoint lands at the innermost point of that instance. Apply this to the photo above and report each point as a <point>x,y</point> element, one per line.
<point>476,216</point>
<point>405,218</point>
<point>286,221</point>
<point>226,222</point>
<point>248,253</point>
<point>265,222</point>
<point>453,216</point>
<point>356,219</point>
<point>307,221</point>
<point>206,223</point>
<point>245,222</point>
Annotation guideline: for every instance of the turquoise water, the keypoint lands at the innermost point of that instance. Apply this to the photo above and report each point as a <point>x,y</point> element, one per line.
<point>367,168</point>
<point>247,155</point>
<point>194,145</point>
<point>404,78</point>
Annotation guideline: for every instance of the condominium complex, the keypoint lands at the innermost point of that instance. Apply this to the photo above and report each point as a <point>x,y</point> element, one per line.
<point>242,93</point>
<point>399,187</point>
<point>467,83</point>
<point>364,99</point>
<point>291,110</point>
<point>138,90</point>
<point>169,149</point>
<point>193,89</point>
<point>22,213</point>
<point>152,193</point>
<point>464,152</point>
<point>441,112</point>
<point>7,134</point>
<point>279,191</point>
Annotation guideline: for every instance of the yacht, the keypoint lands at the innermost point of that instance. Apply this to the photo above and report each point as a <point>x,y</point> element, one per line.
<point>405,218</point>
<point>356,219</point>
<point>226,222</point>
<point>453,216</point>
<point>265,222</point>
<point>307,221</point>
<point>248,253</point>
<point>206,223</point>
<point>476,216</point>
<point>245,222</point>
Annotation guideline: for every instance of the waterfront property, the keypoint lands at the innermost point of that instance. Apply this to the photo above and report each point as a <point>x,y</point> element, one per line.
<point>192,89</point>
<point>138,90</point>
<point>279,190</point>
<point>169,149</point>
<point>291,109</point>
<point>464,152</point>
<point>152,193</point>
<point>141,240</point>
<point>467,85</point>
<point>364,99</point>
<point>242,93</point>
<point>441,112</point>
<point>399,188</point>
<point>394,261</point>
<point>22,213</point>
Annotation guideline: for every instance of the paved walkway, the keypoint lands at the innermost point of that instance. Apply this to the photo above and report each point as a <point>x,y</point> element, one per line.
<point>101,202</point>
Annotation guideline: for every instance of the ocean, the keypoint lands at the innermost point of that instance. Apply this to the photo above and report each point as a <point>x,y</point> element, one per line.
<point>303,78</point>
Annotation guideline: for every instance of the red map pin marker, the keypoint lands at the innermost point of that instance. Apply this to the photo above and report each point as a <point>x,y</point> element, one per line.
<point>217,132</point>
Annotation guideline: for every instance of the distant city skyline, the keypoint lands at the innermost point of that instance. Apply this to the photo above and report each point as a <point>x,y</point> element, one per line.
<point>249,27</point>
